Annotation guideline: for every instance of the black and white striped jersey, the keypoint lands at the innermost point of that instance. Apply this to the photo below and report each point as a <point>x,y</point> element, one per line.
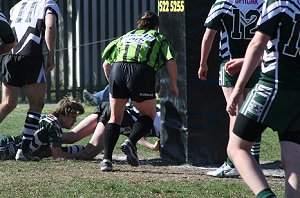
<point>49,133</point>
<point>27,20</point>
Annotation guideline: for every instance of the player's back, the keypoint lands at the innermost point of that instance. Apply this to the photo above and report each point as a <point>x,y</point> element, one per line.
<point>236,20</point>
<point>28,22</point>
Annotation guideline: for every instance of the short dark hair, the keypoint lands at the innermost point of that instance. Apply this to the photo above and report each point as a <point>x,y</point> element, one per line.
<point>148,21</point>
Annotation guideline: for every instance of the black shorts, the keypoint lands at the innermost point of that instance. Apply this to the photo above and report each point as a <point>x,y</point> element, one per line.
<point>18,70</point>
<point>132,80</point>
<point>103,112</point>
<point>251,130</point>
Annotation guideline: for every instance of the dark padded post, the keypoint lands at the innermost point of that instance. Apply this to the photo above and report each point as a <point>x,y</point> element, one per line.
<point>194,125</point>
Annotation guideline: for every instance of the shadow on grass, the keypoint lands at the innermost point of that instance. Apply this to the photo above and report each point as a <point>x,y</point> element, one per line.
<point>272,165</point>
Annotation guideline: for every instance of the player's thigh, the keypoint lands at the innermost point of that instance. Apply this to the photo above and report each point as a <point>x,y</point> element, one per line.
<point>142,83</point>
<point>9,94</point>
<point>147,107</point>
<point>278,109</point>
<point>117,107</point>
<point>35,94</point>
<point>290,156</point>
<point>248,129</point>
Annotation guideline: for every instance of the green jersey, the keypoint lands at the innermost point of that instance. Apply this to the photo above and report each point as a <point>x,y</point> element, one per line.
<point>236,20</point>
<point>281,61</point>
<point>140,46</point>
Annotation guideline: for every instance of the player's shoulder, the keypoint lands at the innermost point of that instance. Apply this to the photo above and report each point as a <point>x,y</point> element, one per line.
<point>50,4</point>
<point>48,118</point>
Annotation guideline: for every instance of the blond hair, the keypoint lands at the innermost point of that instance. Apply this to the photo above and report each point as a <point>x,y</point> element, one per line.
<point>68,106</point>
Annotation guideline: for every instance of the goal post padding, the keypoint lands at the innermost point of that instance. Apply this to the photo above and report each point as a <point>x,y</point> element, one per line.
<point>194,127</point>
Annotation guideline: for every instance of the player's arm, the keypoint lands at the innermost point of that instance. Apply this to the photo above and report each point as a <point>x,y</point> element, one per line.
<point>206,44</point>
<point>234,66</point>
<point>95,145</point>
<point>172,72</point>
<point>7,38</point>
<point>106,69</point>
<point>50,38</point>
<point>85,128</point>
<point>58,153</point>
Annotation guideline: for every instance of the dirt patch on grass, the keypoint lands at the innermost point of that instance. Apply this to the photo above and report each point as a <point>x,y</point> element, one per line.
<point>153,169</point>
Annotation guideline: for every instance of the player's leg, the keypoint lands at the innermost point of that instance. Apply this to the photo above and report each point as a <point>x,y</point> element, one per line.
<point>112,128</point>
<point>96,144</point>
<point>112,131</point>
<point>255,149</point>
<point>227,169</point>
<point>290,155</point>
<point>143,97</point>
<point>11,82</point>
<point>9,100</point>
<point>140,129</point>
<point>238,151</point>
<point>118,98</point>
<point>8,147</point>
<point>227,83</point>
<point>73,149</point>
<point>35,94</point>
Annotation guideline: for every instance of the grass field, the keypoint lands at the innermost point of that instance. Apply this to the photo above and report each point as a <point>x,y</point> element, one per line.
<point>52,178</point>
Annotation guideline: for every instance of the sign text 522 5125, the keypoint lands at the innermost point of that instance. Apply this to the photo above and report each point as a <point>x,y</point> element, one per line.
<point>170,6</point>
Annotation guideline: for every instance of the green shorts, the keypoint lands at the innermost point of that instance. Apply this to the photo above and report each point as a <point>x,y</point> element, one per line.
<point>9,146</point>
<point>278,109</point>
<point>226,80</point>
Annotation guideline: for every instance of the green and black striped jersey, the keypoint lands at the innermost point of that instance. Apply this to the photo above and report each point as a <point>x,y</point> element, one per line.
<point>281,61</point>
<point>236,20</point>
<point>6,34</point>
<point>49,133</point>
<point>140,46</point>
<point>28,23</point>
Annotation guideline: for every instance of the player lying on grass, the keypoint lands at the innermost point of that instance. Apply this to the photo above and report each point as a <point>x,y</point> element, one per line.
<point>95,124</point>
<point>49,138</point>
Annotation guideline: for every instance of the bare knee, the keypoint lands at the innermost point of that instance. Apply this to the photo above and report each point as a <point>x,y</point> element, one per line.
<point>8,106</point>
<point>230,151</point>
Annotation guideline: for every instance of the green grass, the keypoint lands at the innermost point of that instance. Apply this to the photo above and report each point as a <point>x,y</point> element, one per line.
<point>52,178</point>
